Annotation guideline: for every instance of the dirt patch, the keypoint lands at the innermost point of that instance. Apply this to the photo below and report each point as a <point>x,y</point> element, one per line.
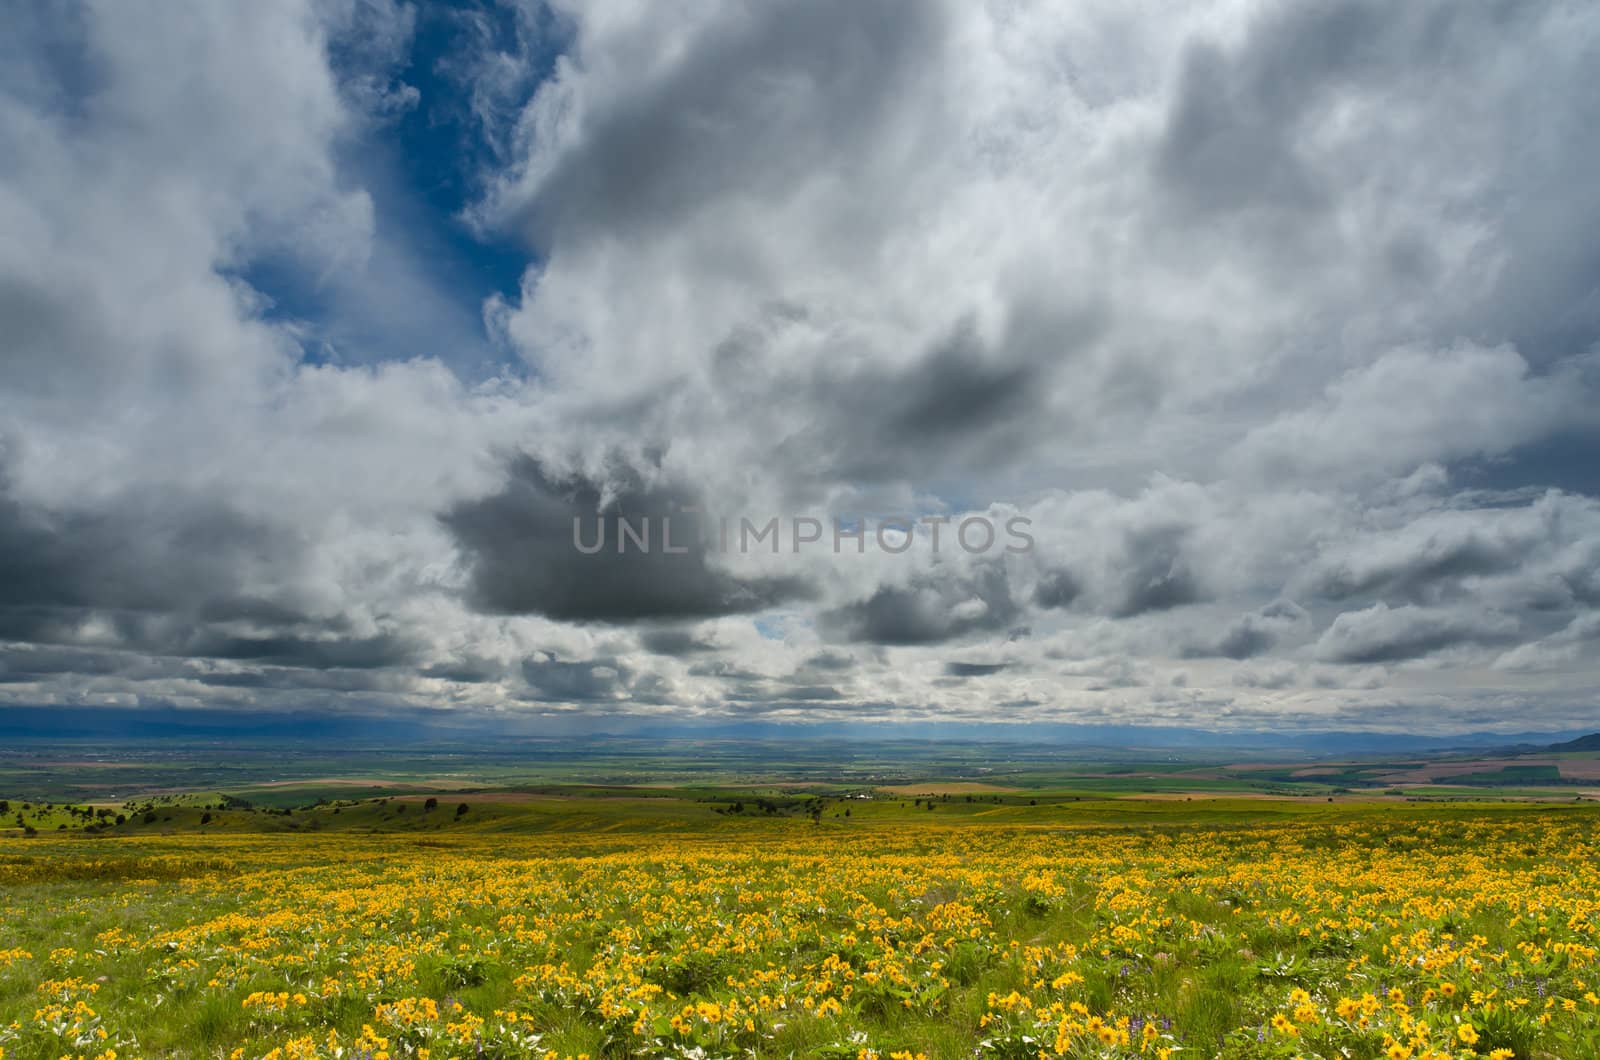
<point>1427,772</point>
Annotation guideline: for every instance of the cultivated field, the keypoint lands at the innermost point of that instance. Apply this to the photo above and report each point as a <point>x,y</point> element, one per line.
<point>617,927</point>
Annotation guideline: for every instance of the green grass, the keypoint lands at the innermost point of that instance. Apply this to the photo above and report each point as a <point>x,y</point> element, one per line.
<point>145,879</point>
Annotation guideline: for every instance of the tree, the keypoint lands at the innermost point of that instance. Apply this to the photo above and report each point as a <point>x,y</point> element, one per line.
<point>430,805</point>
<point>462,809</point>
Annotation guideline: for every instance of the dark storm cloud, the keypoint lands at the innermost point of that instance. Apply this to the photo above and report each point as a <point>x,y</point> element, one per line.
<point>675,642</point>
<point>1578,640</point>
<point>1381,634</point>
<point>555,680</point>
<point>519,546</point>
<point>162,568</point>
<point>152,553</point>
<point>1246,638</point>
<point>33,662</point>
<point>349,653</point>
<point>466,669</point>
<point>1534,557</point>
<point>1419,569</point>
<point>1056,589</point>
<point>1252,634</point>
<point>969,669</point>
<point>830,662</point>
<point>952,391</point>
<point>1154,573</point>
<point>937,605</point>
<point>963,403</point>
<point>169,574</point>
<point>293,641</point>
<point>770,91</point>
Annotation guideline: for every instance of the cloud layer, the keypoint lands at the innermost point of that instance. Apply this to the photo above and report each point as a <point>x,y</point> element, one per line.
<point>1277,327</point>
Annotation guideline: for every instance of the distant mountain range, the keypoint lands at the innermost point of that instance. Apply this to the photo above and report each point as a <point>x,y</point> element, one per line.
<point>1590,742</point>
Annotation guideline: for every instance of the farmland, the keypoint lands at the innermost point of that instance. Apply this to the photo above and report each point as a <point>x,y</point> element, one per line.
<point>964,923</point>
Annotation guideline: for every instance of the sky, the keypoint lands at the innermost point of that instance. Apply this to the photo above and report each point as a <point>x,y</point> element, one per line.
<point>1266,336</point>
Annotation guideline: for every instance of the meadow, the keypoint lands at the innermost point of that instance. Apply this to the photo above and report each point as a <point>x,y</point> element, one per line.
<point>618,927</point>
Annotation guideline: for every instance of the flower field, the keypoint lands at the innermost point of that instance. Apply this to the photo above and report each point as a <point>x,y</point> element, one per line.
<point>1423,933</point>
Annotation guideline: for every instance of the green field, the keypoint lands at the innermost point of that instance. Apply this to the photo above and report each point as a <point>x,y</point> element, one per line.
<point>745,900</point>
<point>733,925</point>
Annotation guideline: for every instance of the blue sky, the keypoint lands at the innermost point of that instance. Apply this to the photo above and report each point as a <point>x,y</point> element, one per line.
<point>424,167</point>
